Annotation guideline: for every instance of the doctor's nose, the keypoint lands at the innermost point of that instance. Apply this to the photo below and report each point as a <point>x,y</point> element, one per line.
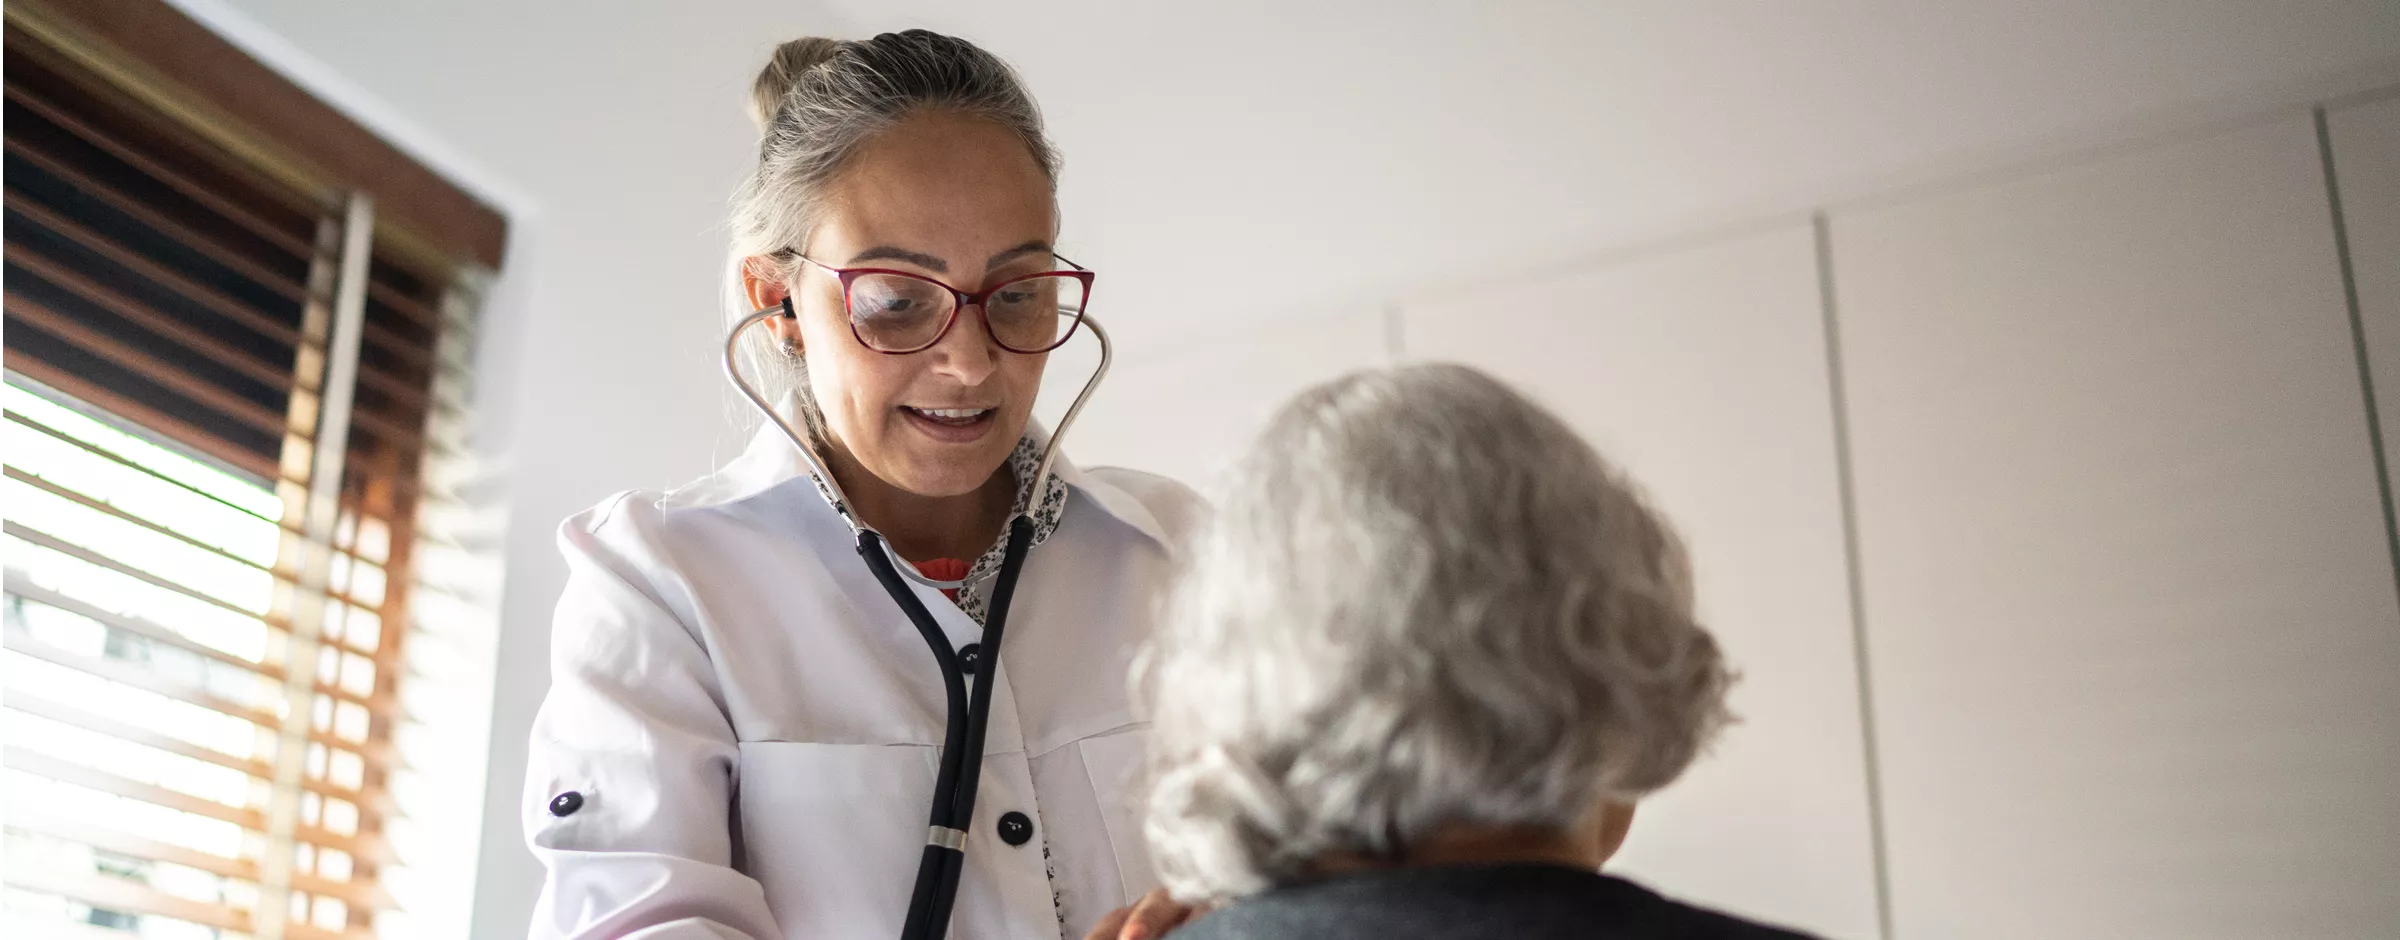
<point>967,352</point>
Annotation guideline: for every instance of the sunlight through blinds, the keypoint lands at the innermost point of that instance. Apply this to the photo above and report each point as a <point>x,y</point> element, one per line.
<point>222,398</point>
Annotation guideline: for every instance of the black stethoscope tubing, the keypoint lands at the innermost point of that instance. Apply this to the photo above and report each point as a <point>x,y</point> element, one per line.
<point>954,783</point>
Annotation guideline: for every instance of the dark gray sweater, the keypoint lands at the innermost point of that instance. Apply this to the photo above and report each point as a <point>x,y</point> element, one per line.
<point>1521,902</point>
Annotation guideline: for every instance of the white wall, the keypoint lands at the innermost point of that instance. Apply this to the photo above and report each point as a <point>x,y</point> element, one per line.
<point>2365,141</point>
<point>1186,398</point>
<point>1261,185</point>
<point>2129,598</point>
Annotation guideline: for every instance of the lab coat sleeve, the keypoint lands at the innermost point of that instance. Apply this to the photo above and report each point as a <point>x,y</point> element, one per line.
<point>635,728</point>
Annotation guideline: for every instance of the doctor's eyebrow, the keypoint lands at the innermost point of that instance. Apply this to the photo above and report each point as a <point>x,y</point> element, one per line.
<point>1036,246</point>
<point>889,253</point>
<point>923,260</point>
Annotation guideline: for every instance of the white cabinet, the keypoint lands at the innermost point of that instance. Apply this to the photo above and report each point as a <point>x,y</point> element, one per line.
<point>2134,643</point>
<point>2366,157</point>
<point>1703,373</point>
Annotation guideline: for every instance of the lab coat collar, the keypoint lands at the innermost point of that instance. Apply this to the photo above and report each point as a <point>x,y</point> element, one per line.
<point>769,461</point>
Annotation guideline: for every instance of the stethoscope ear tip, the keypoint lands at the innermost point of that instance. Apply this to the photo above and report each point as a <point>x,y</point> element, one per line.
<point>787,307</point>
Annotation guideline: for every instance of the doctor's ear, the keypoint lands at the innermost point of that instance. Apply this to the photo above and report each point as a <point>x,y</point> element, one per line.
<point>764,282</point>
<point>764,285</point>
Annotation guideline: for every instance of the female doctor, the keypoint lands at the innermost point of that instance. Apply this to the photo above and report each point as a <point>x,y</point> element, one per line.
<point>741,735</point>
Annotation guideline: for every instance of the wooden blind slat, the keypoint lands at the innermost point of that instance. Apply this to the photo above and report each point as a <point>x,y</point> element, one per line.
<point>89,778</point>
<point>95,505</point>
<point>241,869</point>
<point>374,703</point>
<point>190,289</point>
<point>73,930</point>
<point>143,364</point>
<point>394,433</point>
<point>375,753</point>
<point>257,225</point>
<point>125,673</point>
<point>53,826</point>
<point>413,353</point>
<point>104,507</point>
<point>118,894</point>
<point>280,282</point>
<point>407,394</point>
<point>102,724</point>
<point>200,439</point>
<point>410,395</point>
<point>137,626</point>
<point>80,553</point>
<point>120,460</point>
<point>116,302</point>
<point>404,305</point>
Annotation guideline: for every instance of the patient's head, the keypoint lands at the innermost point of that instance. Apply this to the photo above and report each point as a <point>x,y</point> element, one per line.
<point>1426,611</point>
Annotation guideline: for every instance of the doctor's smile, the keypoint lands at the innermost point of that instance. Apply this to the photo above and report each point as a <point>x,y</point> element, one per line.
<point>952,425</point>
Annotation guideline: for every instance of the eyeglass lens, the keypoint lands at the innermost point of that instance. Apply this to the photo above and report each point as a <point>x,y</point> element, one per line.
<point>899,313</point>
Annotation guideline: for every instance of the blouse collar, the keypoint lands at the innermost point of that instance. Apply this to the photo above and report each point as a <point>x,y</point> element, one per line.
<point>770,461</point>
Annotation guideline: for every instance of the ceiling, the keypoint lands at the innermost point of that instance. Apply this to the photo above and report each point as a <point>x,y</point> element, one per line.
<point>1247,158</point>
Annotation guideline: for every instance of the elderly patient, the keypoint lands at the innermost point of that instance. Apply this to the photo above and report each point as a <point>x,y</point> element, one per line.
<point>1429,654</point>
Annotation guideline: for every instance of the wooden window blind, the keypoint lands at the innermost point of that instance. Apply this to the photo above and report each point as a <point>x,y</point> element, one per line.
<point>225,384</point>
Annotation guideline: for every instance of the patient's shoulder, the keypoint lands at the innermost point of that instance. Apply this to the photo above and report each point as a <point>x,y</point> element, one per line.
<point>1472,903</point>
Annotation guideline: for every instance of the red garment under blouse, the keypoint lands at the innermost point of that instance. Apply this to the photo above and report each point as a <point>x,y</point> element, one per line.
<point>942,569</point>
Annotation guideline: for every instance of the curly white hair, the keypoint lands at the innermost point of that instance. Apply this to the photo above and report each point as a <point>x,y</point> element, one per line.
<point>1424,601</point>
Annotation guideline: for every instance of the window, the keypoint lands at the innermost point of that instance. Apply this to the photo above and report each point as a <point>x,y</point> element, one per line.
<point>235,389</point>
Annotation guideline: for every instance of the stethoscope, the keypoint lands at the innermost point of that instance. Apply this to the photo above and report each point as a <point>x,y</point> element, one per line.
<point>961,766</point>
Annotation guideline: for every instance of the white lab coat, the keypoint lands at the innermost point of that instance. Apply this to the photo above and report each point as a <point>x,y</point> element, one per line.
<point>750,726</point>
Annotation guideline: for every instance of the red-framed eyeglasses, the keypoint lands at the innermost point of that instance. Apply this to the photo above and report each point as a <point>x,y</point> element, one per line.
<point>896,312</point>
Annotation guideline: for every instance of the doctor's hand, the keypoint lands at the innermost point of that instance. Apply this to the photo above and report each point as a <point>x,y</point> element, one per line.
<point>1151,917</point>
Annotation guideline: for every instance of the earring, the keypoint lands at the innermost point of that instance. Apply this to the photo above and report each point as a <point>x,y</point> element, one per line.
<point>791,349</point>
